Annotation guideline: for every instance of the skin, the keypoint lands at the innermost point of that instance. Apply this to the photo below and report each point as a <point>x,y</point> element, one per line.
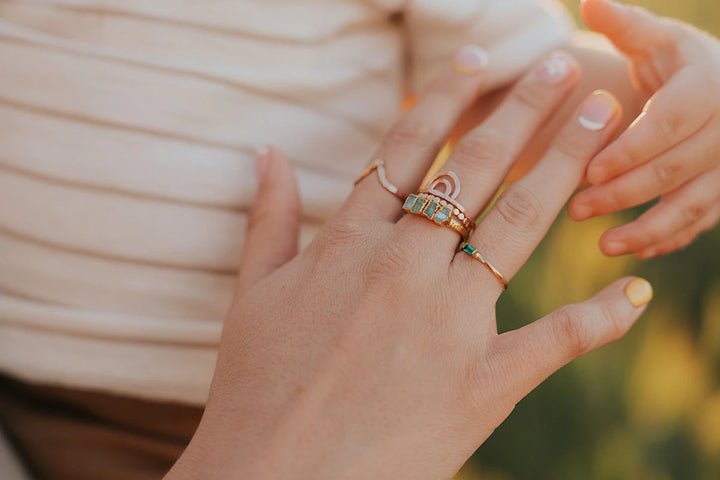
<point>374,352</point>
<point>671,150</point>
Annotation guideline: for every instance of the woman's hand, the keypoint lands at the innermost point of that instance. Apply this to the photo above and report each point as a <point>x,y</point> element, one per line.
<point>673,149</point>
<point>374,353</point>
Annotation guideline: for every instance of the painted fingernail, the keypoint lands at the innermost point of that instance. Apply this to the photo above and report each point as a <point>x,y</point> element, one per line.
<point>555,69</point>
<point>471,60</point>
<point>598,110</point>
<point>262,162</point>
<point>639,292</point>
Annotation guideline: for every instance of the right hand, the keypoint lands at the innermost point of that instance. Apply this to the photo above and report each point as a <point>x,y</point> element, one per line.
<point>374,353</point>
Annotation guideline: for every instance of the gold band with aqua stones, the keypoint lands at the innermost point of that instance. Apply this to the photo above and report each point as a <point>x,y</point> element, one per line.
<point>419,204</point>
<point>473,252</point>
<point>438,202</point>
<point>379,167</point>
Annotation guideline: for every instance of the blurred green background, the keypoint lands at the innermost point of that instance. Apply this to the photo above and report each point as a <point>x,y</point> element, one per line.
<point>645,408</point>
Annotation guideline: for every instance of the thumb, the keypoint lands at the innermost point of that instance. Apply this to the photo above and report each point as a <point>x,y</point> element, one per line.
<point>633,30</point>
<point>531,354</point>
<point>274,220</point>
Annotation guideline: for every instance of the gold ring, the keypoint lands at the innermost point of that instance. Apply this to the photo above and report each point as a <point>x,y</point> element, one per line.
<point>473,252</point>
<point>379,167</point>
<point>437,202</point>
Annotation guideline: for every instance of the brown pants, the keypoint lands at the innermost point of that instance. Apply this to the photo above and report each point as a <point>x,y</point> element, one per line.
<point>74,435</point>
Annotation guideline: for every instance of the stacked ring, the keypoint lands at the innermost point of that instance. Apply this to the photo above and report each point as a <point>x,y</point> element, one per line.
<point>379,167</point>
<point>437,202</point>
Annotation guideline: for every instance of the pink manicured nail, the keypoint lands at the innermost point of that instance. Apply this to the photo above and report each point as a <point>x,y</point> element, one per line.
<point>471,60</point>
<point>555,69</point>
<point>598,110</point>
<point>262,162</point>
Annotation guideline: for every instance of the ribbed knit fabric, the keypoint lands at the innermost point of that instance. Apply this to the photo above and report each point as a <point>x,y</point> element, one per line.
<point>126,132</point>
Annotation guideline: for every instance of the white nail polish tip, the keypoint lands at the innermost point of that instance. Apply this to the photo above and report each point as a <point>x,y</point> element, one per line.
<point>262,150</point>
<point>557,66</point>
<point>591,125</point>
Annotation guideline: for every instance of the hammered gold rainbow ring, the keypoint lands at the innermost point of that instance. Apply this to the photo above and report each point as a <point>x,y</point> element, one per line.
<point>437,202</point>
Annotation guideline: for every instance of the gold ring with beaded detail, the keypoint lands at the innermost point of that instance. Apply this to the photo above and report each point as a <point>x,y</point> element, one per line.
<point>437,202</point>
<point>473,252</point>
<point>378,166</point>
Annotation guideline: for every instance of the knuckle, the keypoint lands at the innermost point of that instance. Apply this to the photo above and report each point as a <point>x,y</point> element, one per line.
<point>667,126</point>
<point>393,261</point>
<point>533,95</point>
<point>341,233</point>
<point>572,330</point>
<point>520,207</point>
<point>693,213</point>
<point>413,131</point>
<point>667,174</point>
<point>483,147</point>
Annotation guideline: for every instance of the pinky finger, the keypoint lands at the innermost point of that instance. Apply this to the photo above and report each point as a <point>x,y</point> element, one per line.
<point>683,238</point>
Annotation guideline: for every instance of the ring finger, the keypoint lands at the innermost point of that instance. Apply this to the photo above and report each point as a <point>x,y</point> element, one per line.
<point>482,159</point>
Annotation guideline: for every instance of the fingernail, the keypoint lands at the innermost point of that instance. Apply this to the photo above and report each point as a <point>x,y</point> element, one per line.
<point>646,254</point>
<point>262,162</point>
<point>471,60</point>
<point>598,110</point>
<point>581,212</point>
<point>555,69</point>
<point>616,248</point>
<point>639,292</point>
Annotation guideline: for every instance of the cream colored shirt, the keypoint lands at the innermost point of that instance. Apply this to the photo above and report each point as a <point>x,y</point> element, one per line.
<point>126,132</point>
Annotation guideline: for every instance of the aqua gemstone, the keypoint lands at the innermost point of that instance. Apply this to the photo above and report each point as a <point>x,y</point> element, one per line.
<point>409,201</point>
<point>430,210</point>
<point>469,249</point>
<point>418,206</point>
<point>442,215</point>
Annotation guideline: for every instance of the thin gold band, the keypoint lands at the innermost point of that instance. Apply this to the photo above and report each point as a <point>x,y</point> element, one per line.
<point>379,166</point>
<point>473,252</point>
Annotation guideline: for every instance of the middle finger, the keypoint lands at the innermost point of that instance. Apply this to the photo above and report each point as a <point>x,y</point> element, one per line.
<point>484,156</point>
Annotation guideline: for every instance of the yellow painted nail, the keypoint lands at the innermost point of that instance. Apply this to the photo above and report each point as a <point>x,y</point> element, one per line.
<point>639,292</point>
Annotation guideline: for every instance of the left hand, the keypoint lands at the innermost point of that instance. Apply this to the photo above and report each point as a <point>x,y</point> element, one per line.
<point>672,150</point>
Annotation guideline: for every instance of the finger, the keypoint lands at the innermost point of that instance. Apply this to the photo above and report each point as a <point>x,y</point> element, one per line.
<point>524,358</point>
<point>524,212</point>
<point>675,113</point>
<point>410,147</point>
<point>684,237</point>
<point>274,220</point>
<point>633,30</point>
<point>675,212</point>
<point>484,156</point>
<point>661,175</point>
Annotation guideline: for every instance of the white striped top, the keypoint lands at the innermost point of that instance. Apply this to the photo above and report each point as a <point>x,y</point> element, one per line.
<point>126,132</point>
